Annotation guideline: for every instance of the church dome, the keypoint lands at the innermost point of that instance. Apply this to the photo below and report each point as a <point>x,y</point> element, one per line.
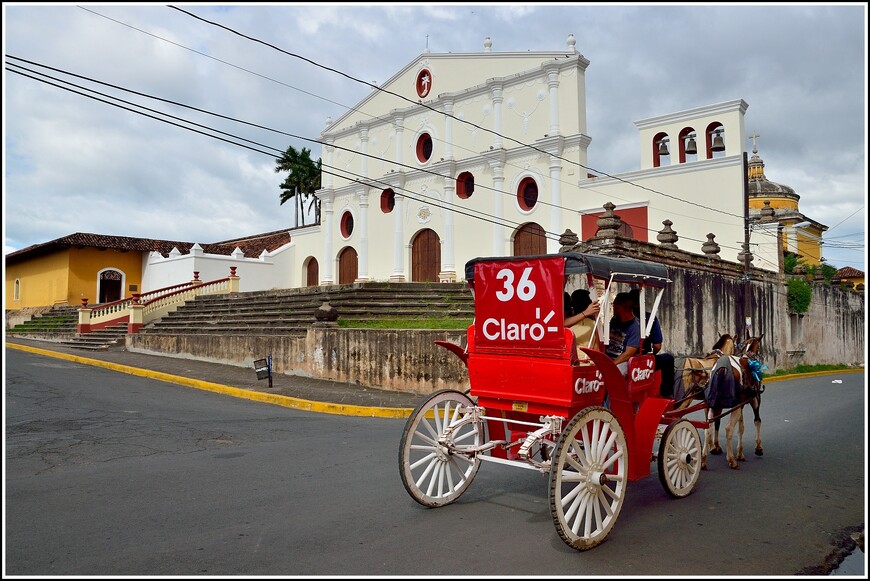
<point>760,186</point>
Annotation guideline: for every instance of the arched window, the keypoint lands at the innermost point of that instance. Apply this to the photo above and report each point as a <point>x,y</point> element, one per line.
<point>388,201</point>
<point>715,144</point>
<point>465,185</point>
<point>688,145</point>
<point>16,294</point>
<point>661,153</point>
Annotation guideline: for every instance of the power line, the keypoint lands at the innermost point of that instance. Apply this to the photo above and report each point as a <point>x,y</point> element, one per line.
<point>424,170</point>
<point>371,85</point>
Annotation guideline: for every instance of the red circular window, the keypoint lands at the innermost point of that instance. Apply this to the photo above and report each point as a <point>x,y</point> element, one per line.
<point>423,83</point>
<point>527,194</point>
<point>465,185</point>
<point>388,201</point>
<point>346,224</point>
<point>424,147</point>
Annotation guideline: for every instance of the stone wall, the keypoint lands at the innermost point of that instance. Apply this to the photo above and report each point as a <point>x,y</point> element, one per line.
<point>705,299</point>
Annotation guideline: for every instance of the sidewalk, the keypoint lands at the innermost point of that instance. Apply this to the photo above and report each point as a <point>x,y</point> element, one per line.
<point>287,390</point>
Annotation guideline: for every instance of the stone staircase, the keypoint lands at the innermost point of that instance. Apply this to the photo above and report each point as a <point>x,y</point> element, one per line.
<point>291,311</point>
<point>101,340</point>
<point>58,323</point>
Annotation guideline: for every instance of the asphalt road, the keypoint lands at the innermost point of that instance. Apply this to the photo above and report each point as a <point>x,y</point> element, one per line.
<point>112,474</point>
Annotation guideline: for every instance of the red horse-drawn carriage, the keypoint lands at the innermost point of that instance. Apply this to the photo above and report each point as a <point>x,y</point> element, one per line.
<point>533,403</point>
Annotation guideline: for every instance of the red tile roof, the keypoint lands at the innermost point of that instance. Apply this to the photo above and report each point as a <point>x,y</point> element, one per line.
<point>251,246</point>
<point>849,272</point>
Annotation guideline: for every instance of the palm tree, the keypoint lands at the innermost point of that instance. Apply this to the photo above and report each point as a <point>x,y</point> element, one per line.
<point>303,181</point>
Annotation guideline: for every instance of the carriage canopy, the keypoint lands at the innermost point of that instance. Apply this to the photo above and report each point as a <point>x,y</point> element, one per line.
<point>617,269</point>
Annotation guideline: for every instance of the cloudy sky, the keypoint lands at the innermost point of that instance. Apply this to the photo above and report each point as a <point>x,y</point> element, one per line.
<point>74,164</point>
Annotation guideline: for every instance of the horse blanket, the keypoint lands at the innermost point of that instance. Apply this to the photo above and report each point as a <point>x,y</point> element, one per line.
<point>724,387</point>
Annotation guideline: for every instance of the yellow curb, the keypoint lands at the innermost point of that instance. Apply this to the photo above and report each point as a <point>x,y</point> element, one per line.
<point>271,398</point>
<point>810,374</point>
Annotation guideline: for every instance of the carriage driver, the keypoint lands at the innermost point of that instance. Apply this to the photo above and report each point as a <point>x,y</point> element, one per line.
<point>624,332</point>
<point>653,344</point>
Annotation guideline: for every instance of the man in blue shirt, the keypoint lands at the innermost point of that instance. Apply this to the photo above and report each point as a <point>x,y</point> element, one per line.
<point>624,332</point>
<point>653,344</point>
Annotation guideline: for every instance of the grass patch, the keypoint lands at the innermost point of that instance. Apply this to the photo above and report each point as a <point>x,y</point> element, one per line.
<point>808,369</point>
<point>406,323</point>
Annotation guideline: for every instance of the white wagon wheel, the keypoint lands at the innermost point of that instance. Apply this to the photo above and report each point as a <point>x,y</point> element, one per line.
<point>679,458</point>
<point>434,469</point>
<point>588,478</point>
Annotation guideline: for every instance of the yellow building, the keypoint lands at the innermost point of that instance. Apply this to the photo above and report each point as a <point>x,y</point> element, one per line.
<point>771,202</point>
<point>852,276</point>
<point>103,268</point>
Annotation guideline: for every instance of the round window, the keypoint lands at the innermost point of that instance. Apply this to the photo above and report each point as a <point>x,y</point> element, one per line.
<point>346,224</point>
<point>527,194</point>
<point>424,147</point>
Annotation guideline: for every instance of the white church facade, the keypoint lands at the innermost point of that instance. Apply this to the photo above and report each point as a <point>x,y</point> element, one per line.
<point>461,155</point>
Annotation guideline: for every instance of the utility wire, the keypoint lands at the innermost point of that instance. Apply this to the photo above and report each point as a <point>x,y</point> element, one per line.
<point>425,170</point>
<point>371,85</point>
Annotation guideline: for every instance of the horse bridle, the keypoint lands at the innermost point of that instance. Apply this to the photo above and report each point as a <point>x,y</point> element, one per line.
<point>754,363</point>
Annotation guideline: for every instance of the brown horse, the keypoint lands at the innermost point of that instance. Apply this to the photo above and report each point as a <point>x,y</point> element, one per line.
<point>695,371</point>
<point>734,382</point>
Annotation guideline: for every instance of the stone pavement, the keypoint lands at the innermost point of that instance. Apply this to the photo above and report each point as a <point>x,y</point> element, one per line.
<point>293,391</point>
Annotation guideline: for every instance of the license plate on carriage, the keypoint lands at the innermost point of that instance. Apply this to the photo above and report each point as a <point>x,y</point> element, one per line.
<point>520,406</point>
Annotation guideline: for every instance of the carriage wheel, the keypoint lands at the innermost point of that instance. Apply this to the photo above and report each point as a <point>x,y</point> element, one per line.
<point>588,478</point>
<point>679,458</point>
<point>434,470</point>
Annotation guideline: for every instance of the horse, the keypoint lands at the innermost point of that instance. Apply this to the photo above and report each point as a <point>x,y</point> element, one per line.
<point>695,371</point>
<point>734,382</point>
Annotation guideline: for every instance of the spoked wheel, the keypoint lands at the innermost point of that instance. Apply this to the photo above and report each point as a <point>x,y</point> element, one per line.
<point>588,478</point>
<point>679,458</point>
<point>434,469</point>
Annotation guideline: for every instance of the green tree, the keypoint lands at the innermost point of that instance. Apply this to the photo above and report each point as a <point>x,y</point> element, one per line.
<point>302,182</point>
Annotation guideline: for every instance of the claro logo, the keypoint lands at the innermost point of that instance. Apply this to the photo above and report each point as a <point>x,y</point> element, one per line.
<point>584,385</point>
<point>499,329</point>
<point>638,374</point>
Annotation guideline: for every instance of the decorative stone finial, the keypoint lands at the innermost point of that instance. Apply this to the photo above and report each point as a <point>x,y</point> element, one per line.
<point>710,248</point>
<point>767,213</point>
<point>326,314</point>
<point>744,254</point>
<point>572,43</point>
<point>568,240</point>
<point>487,44</point>
<point>609,223</point>
<point>667,236</point>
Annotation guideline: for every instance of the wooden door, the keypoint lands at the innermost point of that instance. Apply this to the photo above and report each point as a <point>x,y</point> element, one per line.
<point>347,266</point>
<point>530,240</point>
<point>425,257</point>
<point>313,273</point>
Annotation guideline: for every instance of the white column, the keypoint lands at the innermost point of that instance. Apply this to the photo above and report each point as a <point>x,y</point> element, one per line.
<point>498,209</point>
<point>448,268</point>
<point>398,245</point>
<point>397,123</point>
<point>328,258</point>
<point>363,262</point>
<point>556,200</point>
<point>553,84</point>
<point>497,99</point>
<point>448,130</point>
<point>364,150</point>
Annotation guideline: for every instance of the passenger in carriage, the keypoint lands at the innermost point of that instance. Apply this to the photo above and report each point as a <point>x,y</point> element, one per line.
<point>653,345</point>
<point>624,341</point>
<point>582,324</point>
